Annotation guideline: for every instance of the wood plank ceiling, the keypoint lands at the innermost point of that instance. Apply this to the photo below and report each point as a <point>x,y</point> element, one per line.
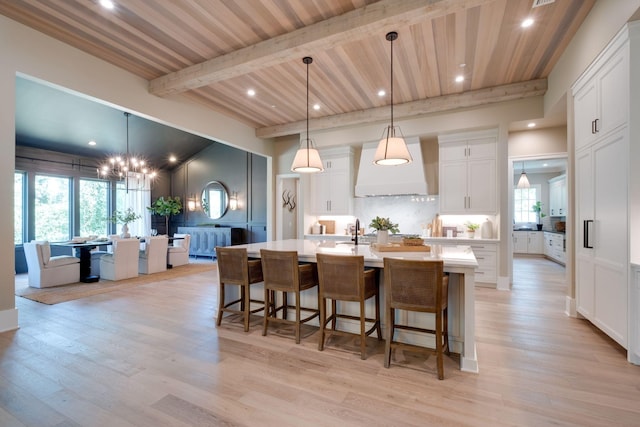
<point>213,51</point>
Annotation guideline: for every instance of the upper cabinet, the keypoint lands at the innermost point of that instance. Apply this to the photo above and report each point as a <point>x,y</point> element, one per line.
<point>601,97</point>
<point>558,196</point>
<point>468,173</point>
<point>332,189</point>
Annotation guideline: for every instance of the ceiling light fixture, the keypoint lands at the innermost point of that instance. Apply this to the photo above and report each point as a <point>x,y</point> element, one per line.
<point>251,92</point>
<point>523,182</point>
<point>92,143</point>
<point>107,4</point>
<point>531,125</point>
<point>459,79</point>
<point>135,172</point>
<point>392,149</point>
<point>381,93</point>
<point>527,23</point>
<point>307,158</point>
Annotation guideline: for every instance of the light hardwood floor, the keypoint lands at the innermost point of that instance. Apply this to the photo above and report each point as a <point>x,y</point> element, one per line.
<point>152,356</point>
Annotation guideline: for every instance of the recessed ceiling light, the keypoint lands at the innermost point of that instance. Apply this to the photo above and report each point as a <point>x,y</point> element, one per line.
<point>531,125</point>
<point>544,165</point>
<point>92,143</point>
<point>382,92</point>
<point>251,92</point>
<point>459,79</point>
<point>316,106</point>
<point>172,158</point>
<point>527,23</point>
<point>107,4</point>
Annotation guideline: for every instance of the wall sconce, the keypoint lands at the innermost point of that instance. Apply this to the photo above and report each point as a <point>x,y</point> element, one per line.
<point>233,201</point>
<point>192,203</point>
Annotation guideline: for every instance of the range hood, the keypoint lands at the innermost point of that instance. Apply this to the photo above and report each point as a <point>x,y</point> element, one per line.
<point>376,180</point>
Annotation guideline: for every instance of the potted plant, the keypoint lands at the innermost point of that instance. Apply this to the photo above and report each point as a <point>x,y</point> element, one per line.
<point>124,218</point>
<point>383,226</point>
<point>537,208</point>
<point>166,207</point>
<point>471,228</point>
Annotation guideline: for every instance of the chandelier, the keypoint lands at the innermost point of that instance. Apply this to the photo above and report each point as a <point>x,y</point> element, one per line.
<point>134,171</point>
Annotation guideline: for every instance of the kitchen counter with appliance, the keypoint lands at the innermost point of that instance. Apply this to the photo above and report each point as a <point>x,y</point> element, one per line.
<point>459,262</point>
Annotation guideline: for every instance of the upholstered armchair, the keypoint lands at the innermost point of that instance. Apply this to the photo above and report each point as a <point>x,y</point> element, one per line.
<point>122,263</point>
<point>45,270</point>
<point>154,257</point>
<point>179,252</point>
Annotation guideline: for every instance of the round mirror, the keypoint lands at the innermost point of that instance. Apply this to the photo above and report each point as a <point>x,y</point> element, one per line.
<point>215,200</point>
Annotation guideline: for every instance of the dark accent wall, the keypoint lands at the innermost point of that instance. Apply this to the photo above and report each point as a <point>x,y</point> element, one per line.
<point>240,172</point>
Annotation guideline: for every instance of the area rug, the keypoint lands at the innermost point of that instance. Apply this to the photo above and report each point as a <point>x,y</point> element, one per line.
<point>58,294</point>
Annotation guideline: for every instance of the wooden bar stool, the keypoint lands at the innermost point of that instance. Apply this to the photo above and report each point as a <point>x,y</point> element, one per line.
<point>283,273</point>
<point>235,268</point>
<point>344,278</point>
<point>416,285</point>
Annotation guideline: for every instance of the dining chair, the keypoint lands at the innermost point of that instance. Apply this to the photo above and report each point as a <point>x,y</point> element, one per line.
<point>122,263</point>
<point>153,259</point>
<point>344,278</point>
<point>45,270</point>
<point>234,268</point>
<point>178,252</point>
<point>282,273</point>
<point>419,286</point>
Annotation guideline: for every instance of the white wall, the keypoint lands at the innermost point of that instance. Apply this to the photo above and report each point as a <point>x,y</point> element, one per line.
<point>549,141</point>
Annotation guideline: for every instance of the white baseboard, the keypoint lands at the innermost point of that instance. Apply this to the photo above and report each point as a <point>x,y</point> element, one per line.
<point>503,283</point>
<point>8,320</point>
<point>570,307</point>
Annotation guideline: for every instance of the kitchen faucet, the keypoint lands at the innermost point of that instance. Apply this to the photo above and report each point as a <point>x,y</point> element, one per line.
<point>355,238</point>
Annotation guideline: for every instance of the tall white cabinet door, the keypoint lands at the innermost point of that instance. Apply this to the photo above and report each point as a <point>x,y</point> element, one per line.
<point>613,85</point>
<point>453,187</point>
<point>585,291</point>
<point>585,110</point>
<point>610,242</point>
<point>482,186</point>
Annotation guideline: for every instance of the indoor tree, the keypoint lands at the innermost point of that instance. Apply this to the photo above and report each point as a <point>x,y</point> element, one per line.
<point>166,206</point>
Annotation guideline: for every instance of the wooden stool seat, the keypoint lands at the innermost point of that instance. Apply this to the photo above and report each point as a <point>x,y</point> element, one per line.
<point>422,286</point>
<point>344,278</point>
<point>283,273</point>
<point>235,268</point>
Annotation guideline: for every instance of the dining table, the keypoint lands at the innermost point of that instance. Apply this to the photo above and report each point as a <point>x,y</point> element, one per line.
<point>459,262</point>
<point>82,250</point>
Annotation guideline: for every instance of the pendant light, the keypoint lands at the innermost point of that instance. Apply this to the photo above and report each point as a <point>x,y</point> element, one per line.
<point>523,182</point>
<point>392,150</point>
<point>307,158</point>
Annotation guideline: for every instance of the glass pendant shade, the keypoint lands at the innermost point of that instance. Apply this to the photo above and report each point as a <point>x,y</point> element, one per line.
<point>392,150</point>
<point>523,182</point>
<point>307,159</point>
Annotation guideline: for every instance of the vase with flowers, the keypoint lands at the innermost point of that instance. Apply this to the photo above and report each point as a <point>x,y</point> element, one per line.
<point>124,218</point>
<point>383,226</point>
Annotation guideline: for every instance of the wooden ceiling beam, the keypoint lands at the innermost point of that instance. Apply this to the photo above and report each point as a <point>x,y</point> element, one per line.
<point>379,17</point>
<point>469,99</point>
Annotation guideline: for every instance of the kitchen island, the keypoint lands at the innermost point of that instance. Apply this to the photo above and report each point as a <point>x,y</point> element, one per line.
<point>459,262</point>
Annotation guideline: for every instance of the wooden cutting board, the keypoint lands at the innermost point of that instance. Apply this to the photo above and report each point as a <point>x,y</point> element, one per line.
<point>395,247</point>
<point>330,225</point>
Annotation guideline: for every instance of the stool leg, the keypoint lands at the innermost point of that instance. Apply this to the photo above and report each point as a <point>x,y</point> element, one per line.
<point>246,291</point>
<point>363,336</point>
<point>323,316</point>
<point>267,312</point>
<point>378,328</point>
<point>334,314</point>
<point>389,333</point>
<point>297,317</point>
<point>220,303</point>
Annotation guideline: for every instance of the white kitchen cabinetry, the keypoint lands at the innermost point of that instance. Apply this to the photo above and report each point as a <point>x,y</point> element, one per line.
<point>601,97</point>
<point>468,173</point>
<point>487,257</point>
<point>558,196</point>
<point>527,242</point>
<point>332,189</point>
<point>603,156</point>
<point>554,247</point>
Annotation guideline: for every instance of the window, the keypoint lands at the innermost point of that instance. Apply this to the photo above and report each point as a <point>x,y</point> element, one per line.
<point>18,207</point>
<point>94,202</point>
<point>52,208</point>
<point>523,200</point>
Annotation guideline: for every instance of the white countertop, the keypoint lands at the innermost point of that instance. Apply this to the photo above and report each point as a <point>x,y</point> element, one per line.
<point>452,255</point>
<point>438,240</point>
